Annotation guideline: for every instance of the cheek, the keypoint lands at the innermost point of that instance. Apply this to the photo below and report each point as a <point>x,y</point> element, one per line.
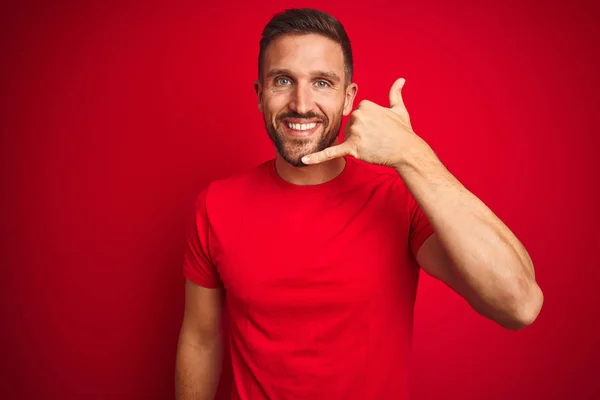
<point>334,110</point>
<point>332,104</point>
<point>275,105</point>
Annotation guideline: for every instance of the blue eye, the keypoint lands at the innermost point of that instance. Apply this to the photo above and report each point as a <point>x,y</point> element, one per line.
<point>282,81</point>
<point>322,84</point>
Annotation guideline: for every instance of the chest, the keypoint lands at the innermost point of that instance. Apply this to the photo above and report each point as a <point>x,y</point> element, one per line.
<point>323,255</point>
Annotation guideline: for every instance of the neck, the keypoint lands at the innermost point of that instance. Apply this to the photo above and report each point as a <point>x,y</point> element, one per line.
<point>311,174</point>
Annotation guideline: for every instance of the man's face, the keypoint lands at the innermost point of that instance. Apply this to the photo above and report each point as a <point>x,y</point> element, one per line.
<point>304,94</point>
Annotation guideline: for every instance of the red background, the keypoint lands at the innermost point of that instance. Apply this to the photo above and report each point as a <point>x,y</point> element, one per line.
<point>114,117</point>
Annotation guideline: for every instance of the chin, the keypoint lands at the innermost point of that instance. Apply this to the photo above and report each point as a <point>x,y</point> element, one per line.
<point>292,150</point>
<point>295,158</point>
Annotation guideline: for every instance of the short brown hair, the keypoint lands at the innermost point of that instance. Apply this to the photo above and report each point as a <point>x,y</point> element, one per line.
<point>299,21</point>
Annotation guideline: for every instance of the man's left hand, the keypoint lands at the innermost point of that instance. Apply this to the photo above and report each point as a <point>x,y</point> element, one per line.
<point>374,134</point>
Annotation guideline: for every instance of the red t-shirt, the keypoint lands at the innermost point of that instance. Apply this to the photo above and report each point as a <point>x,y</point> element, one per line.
<point>320,280</point>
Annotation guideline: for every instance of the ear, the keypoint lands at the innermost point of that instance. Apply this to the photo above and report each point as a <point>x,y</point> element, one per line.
<point>258,89</point>
<point>350,95</point>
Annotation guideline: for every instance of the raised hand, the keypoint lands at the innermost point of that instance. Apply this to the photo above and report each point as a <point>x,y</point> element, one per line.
<point>374,134</point>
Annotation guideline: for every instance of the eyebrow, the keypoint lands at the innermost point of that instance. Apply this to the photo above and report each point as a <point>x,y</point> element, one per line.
<point>325,74</point>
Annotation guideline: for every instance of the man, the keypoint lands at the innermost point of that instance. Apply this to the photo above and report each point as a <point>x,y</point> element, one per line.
<point>319,250</point>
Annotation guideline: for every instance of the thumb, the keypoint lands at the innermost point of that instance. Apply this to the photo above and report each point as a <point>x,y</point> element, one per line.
<point>396,102</point>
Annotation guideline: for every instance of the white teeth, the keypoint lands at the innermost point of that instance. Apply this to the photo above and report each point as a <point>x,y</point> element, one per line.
<point>302,127</point>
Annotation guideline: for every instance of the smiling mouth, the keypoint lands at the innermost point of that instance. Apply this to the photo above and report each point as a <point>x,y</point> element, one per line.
<point>297,129</point>
<point>301,127</point>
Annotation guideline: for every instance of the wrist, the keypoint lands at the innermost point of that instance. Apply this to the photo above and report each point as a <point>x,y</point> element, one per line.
<point>417,157</point>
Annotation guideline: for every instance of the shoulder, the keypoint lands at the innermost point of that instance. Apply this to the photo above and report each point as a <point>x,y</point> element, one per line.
<point>376,176</point>
<point>384,187</point>
<point>223,192</point>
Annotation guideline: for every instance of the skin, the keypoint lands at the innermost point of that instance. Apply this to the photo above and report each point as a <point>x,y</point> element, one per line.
<point>304,77</point>
<point>200,347</point>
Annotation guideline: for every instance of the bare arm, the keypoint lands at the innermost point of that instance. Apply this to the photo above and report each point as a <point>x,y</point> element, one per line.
<point>199,351</point>
<point>472,250</point>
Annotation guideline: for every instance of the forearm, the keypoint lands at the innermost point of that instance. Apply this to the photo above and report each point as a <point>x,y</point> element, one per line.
<point>490,263</point>
<point>198,369</point>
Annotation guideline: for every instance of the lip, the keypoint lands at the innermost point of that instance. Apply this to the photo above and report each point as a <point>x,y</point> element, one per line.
<point>300,133</point>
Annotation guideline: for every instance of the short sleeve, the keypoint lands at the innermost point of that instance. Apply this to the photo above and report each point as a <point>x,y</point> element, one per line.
<point>198,265</point>
<point>420,228</point>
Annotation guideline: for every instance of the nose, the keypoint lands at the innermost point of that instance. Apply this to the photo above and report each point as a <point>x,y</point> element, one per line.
<point>302,101</point>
